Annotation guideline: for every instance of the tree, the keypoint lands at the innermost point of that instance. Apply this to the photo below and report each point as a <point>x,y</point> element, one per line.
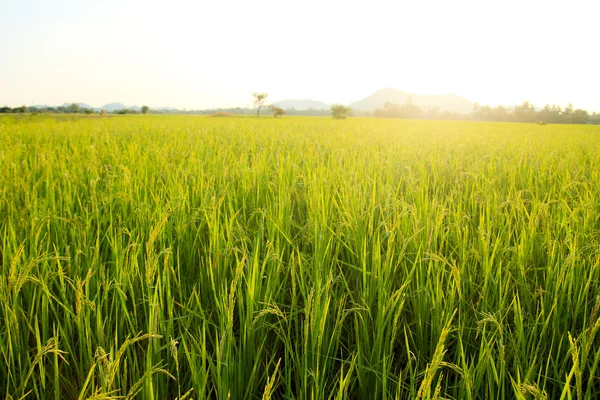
<point>339,111</point>
<point>432,113</point>
<point>277,111</point>
<point>391,110</point>
<point>580,116</point>
<point>551,114</point>
<point>259,101</point>
<point>73,108</point>
<point>411,110</point>
<point>525,112</point>
<point>145,109</point>
<point>568,114</point>
<point>500,113</point>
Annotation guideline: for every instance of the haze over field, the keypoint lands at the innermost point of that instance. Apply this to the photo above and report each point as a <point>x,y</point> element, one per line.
<point>199,55</point>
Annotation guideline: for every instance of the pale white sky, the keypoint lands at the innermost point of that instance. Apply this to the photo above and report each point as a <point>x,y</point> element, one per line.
<point>204,54</point>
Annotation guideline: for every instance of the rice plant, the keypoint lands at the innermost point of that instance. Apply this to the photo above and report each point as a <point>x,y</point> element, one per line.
<point>185,257</point>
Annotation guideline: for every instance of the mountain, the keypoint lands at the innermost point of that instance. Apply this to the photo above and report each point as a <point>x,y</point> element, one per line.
<point>302,104</point>
<point>110,107</point>
<point>446,102</point>
<point>164,108</point>
<point>81,105</point>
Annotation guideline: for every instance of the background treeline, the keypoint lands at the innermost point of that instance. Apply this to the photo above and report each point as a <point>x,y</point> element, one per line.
<point>70,109</point>
<point>76,109</point>
<point>526,112</point>
<point>73,108</point>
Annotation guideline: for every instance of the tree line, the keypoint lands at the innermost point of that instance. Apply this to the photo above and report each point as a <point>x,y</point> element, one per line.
<point>525,112</point>
<point>73,108</point>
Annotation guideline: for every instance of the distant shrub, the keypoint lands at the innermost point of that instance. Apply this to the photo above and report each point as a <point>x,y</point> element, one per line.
<point>277,111</point>
<point>222,114</point>
<point>339,111</point>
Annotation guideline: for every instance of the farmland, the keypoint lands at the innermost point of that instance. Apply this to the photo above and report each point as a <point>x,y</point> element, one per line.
<point>162,257</point>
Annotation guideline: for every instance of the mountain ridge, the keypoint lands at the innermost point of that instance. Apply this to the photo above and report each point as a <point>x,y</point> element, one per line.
<point>377,99</point>
<point>302,104</point>
<point>445,102</point>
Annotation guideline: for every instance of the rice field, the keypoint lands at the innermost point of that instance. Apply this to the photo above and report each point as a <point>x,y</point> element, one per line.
<point>172,257</point>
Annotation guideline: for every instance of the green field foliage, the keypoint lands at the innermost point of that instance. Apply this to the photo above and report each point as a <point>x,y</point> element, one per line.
<point>163,257</point>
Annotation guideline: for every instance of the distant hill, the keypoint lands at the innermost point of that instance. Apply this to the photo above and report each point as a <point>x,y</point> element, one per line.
<point>446,102</point>
<point>164,108</point>
<point>81,105</point>
<point>302,104</point>
<point>110,107</point>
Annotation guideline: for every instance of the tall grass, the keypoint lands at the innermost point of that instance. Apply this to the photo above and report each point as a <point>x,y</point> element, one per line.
<point>187,257</point>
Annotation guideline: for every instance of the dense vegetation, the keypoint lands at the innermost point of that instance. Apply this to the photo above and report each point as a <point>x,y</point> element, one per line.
<point>526,112</point>
<point>160,257</point>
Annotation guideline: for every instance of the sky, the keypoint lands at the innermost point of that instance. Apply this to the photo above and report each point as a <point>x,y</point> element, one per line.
<point>208,54</point>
